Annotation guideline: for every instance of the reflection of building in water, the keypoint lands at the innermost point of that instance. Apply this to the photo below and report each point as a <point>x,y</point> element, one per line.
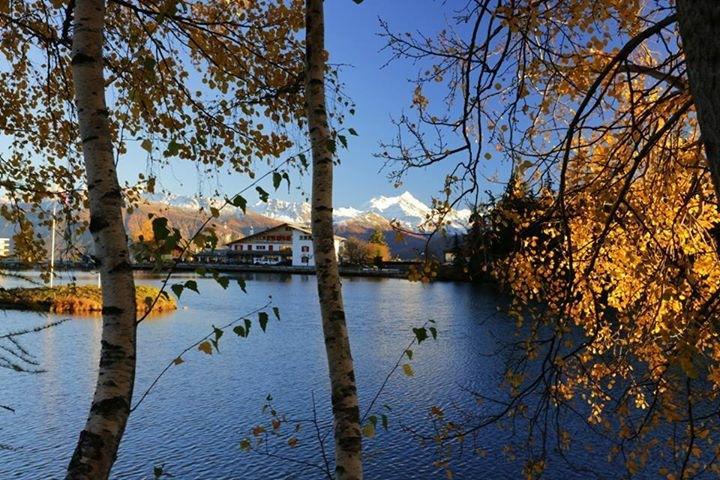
<point>4,247</point>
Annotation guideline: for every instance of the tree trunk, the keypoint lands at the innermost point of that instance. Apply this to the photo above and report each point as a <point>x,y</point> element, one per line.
<point>346,413</point>
<point>98,443</point>
<point>699,22</point>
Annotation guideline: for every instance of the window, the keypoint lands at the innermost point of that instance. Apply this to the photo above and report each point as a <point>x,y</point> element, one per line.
<point>304,248</point>
<point>249,247</point>
<point>270,248</point>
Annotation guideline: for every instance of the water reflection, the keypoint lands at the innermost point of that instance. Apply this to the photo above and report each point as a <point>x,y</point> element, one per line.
<point>195,418</point>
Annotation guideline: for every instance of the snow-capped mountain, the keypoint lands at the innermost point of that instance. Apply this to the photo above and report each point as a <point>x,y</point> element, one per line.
<point>411,212</point>
<point>179,201</point>
<point>404,208</point>
<point>291,212</point>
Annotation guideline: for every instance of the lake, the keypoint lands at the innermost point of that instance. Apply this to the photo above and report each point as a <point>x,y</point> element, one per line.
<point>194,420</point>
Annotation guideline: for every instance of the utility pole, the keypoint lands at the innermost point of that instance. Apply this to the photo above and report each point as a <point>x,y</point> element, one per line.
<point>52,248</point>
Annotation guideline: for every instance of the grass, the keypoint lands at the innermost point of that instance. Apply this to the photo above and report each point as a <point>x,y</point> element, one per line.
<point>77,299</point>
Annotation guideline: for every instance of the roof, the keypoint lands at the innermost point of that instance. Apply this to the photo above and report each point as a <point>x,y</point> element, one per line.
<point>294,226</point>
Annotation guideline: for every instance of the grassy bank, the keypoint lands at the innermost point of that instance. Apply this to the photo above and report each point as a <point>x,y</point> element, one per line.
<point>77,299</point>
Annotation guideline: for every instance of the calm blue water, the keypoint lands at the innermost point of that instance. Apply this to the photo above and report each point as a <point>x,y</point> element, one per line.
<point>195,418</point>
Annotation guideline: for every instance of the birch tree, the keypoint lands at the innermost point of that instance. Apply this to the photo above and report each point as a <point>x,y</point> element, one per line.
<point>346,413</point>
<point>208,82</point>
<point>97,447</point>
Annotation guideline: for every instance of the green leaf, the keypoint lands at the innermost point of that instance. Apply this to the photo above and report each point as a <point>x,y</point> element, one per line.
<point>420,334</point>
<point>263,319</point>
<point>409,353</point>
<point>214,212</point>
<point>287,178</point>
<point>241,283</point>
<point>223,281</point>
<point>331,146</point>
<point>192,285</point>
<point>343,141</point>
<point>146,145</point>
<point>433,332</point>
<point>277,180</point>
<point>177,289</point>
<point>248,324</point>
<point>173,149</point>
<point>303,160</point>
<point>160,229</point>
<point>384,419</point>
<point>240,202</point>
<point>276,311</point>
<point>217,332</point>
<point>352,131</point>
<point>264,196</point>
<point>244,444</point>
<point>240,331</point>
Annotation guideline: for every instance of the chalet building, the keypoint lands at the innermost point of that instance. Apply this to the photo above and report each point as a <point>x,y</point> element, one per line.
<point>286,244</point>
<point>4,247</point>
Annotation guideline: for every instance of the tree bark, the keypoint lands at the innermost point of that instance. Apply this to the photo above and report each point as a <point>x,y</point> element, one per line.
<point>97,446</point>
<point>699,22</point>
<point>346,413</point>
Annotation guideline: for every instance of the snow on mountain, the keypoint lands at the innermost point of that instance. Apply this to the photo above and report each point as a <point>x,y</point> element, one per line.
<point>283,211</point>
<point>404,208</point>
<point>180,201</point>
<point>379,211</point>
<point>346,213</point>
<point>411,212</point>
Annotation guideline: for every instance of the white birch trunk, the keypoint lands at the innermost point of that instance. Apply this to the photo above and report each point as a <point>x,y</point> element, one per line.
<point>98,443</point>
<point>346,413</point>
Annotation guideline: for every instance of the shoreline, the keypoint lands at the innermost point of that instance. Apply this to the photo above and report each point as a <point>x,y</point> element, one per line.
<point>238,268</point>
<point>400,271</point>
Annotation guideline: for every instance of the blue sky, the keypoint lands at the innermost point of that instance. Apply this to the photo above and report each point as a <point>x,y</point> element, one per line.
<point>379,94</point>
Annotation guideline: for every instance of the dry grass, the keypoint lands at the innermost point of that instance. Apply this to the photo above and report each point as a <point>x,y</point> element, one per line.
<point>77,299</point>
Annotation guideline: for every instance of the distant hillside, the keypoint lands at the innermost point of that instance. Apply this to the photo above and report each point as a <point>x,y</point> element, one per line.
<point>188,213</point>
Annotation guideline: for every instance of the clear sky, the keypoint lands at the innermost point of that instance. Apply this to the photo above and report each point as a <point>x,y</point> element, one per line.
<point>378,92</point>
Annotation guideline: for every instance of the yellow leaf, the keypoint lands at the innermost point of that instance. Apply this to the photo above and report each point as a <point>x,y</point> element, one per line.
<point>292,442</point>
<point>688,367</point>
<point>368,430</point>
<point>205,347</point>
<point>178,361</point>
<point>407,370</point>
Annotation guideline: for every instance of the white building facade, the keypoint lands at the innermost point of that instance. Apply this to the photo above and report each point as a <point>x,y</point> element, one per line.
<point>4,247</point>
<point>285,244</point>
